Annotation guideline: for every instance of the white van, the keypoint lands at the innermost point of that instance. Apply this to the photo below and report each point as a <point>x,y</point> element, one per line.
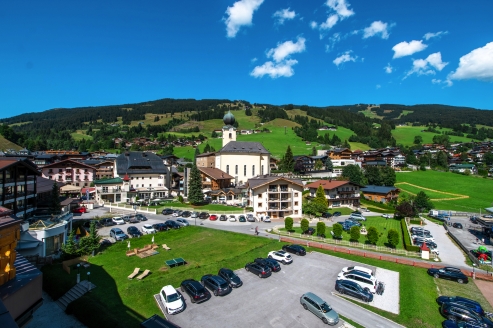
<point>363,279</point>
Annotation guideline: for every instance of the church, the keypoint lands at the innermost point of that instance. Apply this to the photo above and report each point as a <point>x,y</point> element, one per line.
<point>241,159</point>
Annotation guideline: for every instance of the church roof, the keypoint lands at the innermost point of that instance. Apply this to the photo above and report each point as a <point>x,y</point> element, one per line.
<point>243,147</point>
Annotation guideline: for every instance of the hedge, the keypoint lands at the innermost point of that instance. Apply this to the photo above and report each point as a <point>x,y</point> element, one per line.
<point>408,245</point>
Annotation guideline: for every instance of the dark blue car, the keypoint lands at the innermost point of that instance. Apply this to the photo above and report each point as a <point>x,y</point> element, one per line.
<point>465,302</point>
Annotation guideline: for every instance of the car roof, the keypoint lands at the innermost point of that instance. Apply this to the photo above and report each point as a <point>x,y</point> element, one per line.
<point>168,289</point>
<point>314,297</point>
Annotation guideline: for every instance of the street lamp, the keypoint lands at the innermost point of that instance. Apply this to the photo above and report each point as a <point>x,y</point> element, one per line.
<point>88,281</point>
<point>78,272</point>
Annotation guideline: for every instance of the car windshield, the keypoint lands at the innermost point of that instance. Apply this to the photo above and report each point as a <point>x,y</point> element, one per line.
<point>325,308</point>
<point>173,297</point>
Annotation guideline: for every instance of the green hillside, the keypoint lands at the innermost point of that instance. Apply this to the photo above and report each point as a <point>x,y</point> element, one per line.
<point>405,135</point>
<point>5,144</point>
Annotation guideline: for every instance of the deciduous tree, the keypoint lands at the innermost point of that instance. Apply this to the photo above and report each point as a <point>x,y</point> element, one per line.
<point>337,230</point>
<point>355,233</point>
<point>372,235</point>
<point>288,223</point>
<point>304,224</point>
<point>393,238</point>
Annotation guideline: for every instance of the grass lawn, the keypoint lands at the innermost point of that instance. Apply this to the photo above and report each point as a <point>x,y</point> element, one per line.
<point>344,134</point>
<point>405,135</point>
<point>382,225</point>
<point>6,144</point>
<point>478,189</point>
<point>79,135</point>
<point>376,207</point>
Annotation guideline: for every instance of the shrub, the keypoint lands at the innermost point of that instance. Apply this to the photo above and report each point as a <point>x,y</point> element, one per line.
<point>337,230</point>
<point>321,228</point>
<point>393,238</point>
<point>355,233</point>
<point>372,235</point>
<point>288,223</point>
<point>304,224</point>
<point>406,239</point>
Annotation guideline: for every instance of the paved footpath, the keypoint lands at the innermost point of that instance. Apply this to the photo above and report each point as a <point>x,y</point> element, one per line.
<point>486,289</point>
<point>50,315</point>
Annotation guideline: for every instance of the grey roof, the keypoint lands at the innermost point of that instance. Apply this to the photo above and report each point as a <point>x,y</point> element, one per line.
<point>378,189</point>
<point>137,162</point>
<point>266,179</point>
<point>244,147</point>
<point>45,156</point>
<point>91,161</point>
<point>111,156</point>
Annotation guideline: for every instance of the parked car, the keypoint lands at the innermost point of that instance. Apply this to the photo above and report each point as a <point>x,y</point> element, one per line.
<point>160,226</point>
<point>423,237</point>
<point>361,278</point>
<point>172,224</point>
<point>183,222</point>
<point>364,209</point>
<point>203,215</point>
<point>267,219</point>
<point>107,222</point>
<point>327,215</point>
<point>271,263</point>
<point>488,216</point>
<point>118,220</point>
<point>197,292</point>
<point>81,209</point>
<point>133,231</point>
<point>140,217</point>
<point>194,215</point>
<point>217,285</point>
<point>310,231</point>
<point>232,218</point>
<point>126,218</point>
<point>133,219</point>
<point>177,213</point>
<point>358,217</point>
<point>242,218</point>
<point>186,214</point>
<point>353,289</point>
<point>281,256</point>
<point>418,230</point>
<point>213,217</point>
<point>462,301</point>
<point>223,217</point>
<point>295,249</point>
<point>250,218</point>
<point>147,228</point>
<point>257,269</point>
<point>320,308</point>
<point>432,248</point>
<point>459,324</point>
<point>387,216</point>
<point>357,268</point>
<point>450,273</point>
<point>457,225</point>
<point>97,224</point>
<point>118,234</point>
<point>474,219</point>
<point>167,211</point>
<point>232,278</point>
<point>336,213</point>
<point>171,299</point>
<point>456,312</point>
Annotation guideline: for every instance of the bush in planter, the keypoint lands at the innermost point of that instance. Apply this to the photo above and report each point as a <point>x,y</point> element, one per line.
<point>304,224</point>
<point>288,223</point>
<point>355,233</point>
<point>337,230</point>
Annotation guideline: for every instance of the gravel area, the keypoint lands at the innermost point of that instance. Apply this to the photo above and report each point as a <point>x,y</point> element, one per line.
<point>50,315</point>
<point>389,300</point>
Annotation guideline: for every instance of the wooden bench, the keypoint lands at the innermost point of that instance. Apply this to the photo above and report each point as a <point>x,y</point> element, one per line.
<point>166,247</point>
<point>133,274</point>
<point>143,275</point>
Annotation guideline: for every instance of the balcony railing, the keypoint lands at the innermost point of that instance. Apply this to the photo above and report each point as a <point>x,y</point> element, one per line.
<point>273,190</point>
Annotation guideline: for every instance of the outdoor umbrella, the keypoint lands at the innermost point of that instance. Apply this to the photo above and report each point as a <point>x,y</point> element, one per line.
<point>153,239</point>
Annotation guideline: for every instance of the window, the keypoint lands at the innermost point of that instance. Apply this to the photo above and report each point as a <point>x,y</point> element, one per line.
<point>131,186</point>
<point>244,170</point>
<point>253,170</point>
<point>295,194</point>
<point>50,177</point>
<point>150,185</point>
<point>227,169</point>
<point>295,211</point>
<point>259,195</point>
<point>77,184</point>
<point>259,205</point>
<point>59,170</point>
<point>295,203</point>
<point>236,169</point>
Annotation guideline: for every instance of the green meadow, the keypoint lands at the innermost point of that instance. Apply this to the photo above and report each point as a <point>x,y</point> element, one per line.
<point>405,135</point>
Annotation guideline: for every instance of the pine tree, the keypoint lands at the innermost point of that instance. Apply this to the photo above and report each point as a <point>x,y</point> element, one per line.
<point>70,246</point>
<point>288,161</point>
<point>55,206</point>
<point>320,199</point>
<point>197,152</point>
<point>195,195</point>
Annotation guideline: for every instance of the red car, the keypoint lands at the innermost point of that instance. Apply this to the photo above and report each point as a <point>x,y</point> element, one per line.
<point>213,217</point>
<point>79,210</point>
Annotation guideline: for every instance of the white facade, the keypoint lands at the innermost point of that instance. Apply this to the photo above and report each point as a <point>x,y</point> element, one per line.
<point>229,134</point>
<point>243,166</point>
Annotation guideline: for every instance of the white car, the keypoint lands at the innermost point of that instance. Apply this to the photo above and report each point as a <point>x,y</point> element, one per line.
<point>281,256</point>
<point>387,216</point>
<point>172,301</point>
<point>147,228</point>
<point>423,237</point>
<point>194,215</point>
<point>118,220</point>
<point>232,218</point>
<point>357,268</point>
<point>357,217</point>
<point>182,222</point>
<point>267,219</point>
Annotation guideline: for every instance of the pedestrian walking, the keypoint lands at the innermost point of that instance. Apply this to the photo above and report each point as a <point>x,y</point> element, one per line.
<point>256,230</point>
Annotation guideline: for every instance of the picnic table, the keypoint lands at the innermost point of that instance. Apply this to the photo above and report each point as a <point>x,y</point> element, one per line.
<point>175,262</point>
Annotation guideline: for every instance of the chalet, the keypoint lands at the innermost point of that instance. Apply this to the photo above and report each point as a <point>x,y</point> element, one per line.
<point>339,153</point>
<point>462,168</point>
<point>214,179</point>
<point>70,172</point>
<point>381,194</point>
<point>206,160</point>
<point>338,193</point>
<point>303,163</point>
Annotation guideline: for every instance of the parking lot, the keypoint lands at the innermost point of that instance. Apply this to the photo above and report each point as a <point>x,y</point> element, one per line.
<point>275,301</point>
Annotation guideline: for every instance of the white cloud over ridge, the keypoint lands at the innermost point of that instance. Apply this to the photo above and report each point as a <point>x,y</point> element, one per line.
<point>346,57</point>
<point>427,66</point>
<point>376,28</point>
<point>284,14</point>
<point>240,14</point>
<point>478,64</point>
<point>408,48</point>
<point>282,65</point>
<point>430,35</point>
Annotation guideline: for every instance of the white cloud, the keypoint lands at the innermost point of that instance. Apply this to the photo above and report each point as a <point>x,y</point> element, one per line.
<point>388,69</point>
<point>376,28</point>
<point>240,14</point>
<point>430,35</point>
<point>313,25</point>
<point>275,70</point>
<point>254,59</point>
<point>427,66</point>
<point>447,82</point>
<point>287,48</point>
<point>408,48</point>
<point>478,64</point>
<point>330,22</point>
<point>340,7</point>
<point>283,15</point>
<point>282,65</point>
<point>346,57</point>
<point>335,38</point>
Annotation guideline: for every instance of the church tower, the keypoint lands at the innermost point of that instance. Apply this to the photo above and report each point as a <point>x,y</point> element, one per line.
<point>229,131</point>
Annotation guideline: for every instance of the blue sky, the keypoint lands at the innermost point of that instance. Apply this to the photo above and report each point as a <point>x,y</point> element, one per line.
<point>314,52</point>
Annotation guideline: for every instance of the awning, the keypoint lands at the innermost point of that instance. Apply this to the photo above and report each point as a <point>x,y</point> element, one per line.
<point>489,209</point>
<point>70,189</point>
<point>91,190</point>
<point>27,241</point>
<point>206,190</point>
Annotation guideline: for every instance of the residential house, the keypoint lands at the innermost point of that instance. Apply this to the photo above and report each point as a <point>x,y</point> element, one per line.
<point>206,160</point>
<point>42,160</point>
<point>303,163</point>
<point>381,194</point>
<point>70,172</point>
<point>339,153</point>
<point>112,190</point>
<point>274,196</point>
<point>214,179</point>
<point>462,168</point>
<point>104,169</point>
<point>338,193</point>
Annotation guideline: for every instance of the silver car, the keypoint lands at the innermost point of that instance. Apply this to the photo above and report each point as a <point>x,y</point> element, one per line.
<point>320,308</point>
<point>183,222</point>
